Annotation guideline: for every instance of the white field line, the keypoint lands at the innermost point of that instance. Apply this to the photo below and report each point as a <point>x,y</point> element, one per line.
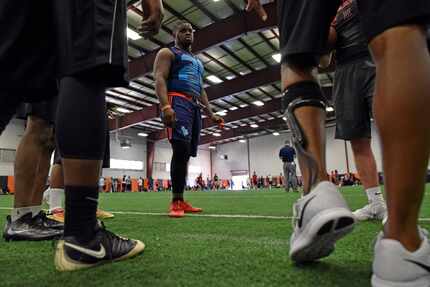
<point>245,216</point>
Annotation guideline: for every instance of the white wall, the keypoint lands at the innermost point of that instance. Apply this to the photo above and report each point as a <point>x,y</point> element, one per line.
<point>10,139</point>
<point>264,155</point>
<point>163,154</point>
<point>237,159</point>
<point>137,152</point>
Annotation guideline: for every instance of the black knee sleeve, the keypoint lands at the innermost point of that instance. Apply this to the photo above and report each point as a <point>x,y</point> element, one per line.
<point>307,93</point>
<point>81,119</point>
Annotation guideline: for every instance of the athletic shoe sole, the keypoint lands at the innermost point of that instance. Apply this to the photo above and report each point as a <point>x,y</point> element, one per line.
<point>320,234</point>
<point>421,282</point>
<point>64,263</point>
<point>8,238</point>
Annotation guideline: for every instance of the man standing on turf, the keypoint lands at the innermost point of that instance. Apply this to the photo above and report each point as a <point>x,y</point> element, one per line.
<point>85,42</point>
<point>353,93</point>
<point>287,155</point>
<point>179,87</point>
<point>395,30</point>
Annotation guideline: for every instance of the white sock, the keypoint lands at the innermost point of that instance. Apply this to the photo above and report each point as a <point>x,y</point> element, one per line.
<point>374,194</point>
<point>35,210</point>
<point>56,198</point>
<point>46,195</point>
<point>19,212</point>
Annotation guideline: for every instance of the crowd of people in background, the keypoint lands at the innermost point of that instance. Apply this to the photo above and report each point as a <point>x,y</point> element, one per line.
<point>255,182</point>
<point>346,179</point>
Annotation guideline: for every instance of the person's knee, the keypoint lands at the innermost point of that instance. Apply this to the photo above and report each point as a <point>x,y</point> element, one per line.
<point>181,151</point>
<point>400,37</point>
<point>42,133</point>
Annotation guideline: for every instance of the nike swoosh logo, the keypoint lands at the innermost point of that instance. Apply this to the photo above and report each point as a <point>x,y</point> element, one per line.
<point>303,211</point>
<point>425,267</point>
<point>96,254</point>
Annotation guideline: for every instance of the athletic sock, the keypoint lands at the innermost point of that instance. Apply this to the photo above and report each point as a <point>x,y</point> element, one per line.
<point>81,208</point>
<point>56,198</point>
<point>177,196</point>
<point>19,212</point>
<point>374,194</point>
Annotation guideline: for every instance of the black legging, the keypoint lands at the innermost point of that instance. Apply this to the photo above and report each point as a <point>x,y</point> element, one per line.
<point>179,165</point>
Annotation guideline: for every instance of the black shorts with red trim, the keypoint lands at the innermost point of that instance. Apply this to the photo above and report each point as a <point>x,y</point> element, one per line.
<point>304,24</point>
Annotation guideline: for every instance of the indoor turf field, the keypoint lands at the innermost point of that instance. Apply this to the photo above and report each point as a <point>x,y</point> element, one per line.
<point>241,239</point>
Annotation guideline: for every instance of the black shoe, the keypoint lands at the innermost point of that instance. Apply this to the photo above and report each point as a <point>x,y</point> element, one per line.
<point>105,247</point>
<point>42,219</point>
<point>26,228</point>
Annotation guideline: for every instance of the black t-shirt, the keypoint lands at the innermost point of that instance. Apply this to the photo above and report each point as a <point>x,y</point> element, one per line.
<point>351,42</point>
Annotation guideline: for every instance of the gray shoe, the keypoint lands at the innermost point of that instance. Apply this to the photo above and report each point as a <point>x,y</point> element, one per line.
<point>373,211</point>
<point>394,266</point>
<point>320,219</point>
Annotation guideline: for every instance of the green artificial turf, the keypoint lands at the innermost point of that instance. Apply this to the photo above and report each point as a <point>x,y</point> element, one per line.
<point>202,251</point>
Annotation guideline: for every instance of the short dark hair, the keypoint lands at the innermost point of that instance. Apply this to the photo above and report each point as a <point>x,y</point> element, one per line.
<point>179,24</point>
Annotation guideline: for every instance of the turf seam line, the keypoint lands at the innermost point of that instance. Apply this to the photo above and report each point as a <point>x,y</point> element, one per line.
<point>245,216</point>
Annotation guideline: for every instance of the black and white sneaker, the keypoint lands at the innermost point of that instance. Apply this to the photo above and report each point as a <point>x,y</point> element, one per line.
<point>105,247</point>
<point>28,228</point>
<point>42,219</point>
<point>320,219</point>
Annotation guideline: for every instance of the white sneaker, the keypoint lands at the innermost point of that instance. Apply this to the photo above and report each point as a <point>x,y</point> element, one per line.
<point>373,211</point>
<point>320,218</point>
<point>394,266</point>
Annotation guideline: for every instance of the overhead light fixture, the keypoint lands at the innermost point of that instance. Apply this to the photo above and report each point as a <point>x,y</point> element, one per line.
<point>123,110</point>
<point>277,57</point>
<point>243,105</point>
<point>133,35</point>
<point>233,108</point>
<point>242,141</point>
<point>142,134</point>
<point>212,147</point>
<point>254,126</point>
<point>284,118</point>
<point>216,134</point>
<point>329,109</point>
<point>230,77</point>
<point>276,134</point>
<point>214,79</point>
<point>222,113</point>
<point>258,103</point>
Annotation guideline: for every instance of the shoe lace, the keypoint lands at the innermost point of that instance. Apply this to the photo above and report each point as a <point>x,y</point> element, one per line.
<point>110,235</point>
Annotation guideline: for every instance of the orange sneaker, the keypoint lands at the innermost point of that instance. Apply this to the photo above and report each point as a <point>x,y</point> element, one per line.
<point>57,214</point>
<point>187,207</point>
<point>176,209</point>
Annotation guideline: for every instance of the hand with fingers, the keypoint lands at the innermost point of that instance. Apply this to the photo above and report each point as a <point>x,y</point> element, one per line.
<point>153,12</point>
<point>168,117</point>
<point>255,5</point>
<point>217,119</point>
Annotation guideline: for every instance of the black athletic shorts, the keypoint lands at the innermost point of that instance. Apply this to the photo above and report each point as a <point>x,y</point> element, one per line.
<point>304,24</point>
<point>353,94</point>
<point>45,110</point>
<point>44,40</point>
